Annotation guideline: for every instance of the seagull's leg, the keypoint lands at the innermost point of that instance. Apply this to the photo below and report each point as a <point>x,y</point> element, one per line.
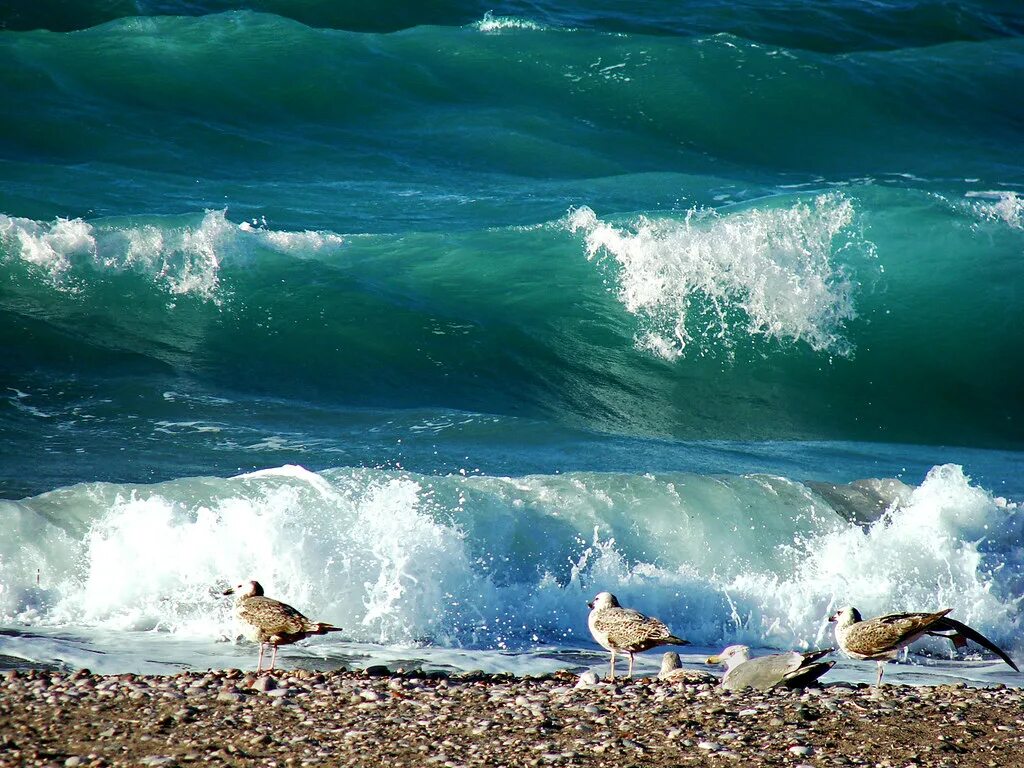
<point>273,659</point>
<point>611,674</point>
<point>630,665</point>
<point>259,661</point>
<point>878,680</point>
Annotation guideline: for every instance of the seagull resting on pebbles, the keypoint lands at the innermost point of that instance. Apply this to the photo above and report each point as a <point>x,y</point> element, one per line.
<point>793,669</point>
<point>673,671</point>
<point>880,639</point>
<point>623,629</point>
<point>271,622</point>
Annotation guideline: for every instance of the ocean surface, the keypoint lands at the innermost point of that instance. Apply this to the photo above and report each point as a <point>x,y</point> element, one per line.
<point>437,319</point>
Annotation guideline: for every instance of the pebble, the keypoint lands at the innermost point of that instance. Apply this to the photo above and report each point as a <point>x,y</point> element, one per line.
<point>304,719</point>
<point>588,679</point>
<point>265,683</point>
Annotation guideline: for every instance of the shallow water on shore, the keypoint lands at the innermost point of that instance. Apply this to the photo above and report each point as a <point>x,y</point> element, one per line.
<point>153,654</point>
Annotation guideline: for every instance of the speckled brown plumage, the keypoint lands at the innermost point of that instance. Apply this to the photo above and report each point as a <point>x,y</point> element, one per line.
<point>623,629</point>
<point>672,671</point>
<point>881,638</point>
<point>271,622</point>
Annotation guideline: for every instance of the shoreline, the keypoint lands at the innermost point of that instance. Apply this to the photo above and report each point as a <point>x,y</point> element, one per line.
<point>371,717</point>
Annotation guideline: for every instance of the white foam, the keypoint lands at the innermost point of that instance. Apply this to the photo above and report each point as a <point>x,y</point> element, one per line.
<point>492,24</point>
<point>705,280</point>
<point>947,547</point>
<point>295,243</point>
<point>1005,207</point>
<point>507,563</point>
<point>182,259</point>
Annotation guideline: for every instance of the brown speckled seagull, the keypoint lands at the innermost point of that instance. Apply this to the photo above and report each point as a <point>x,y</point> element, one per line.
<point>271,622</point>
<point>880,639</point>
<point>623,629</point>
<point>673,671</point>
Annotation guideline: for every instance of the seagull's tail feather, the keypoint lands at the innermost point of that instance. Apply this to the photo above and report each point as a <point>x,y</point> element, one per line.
<point>807,675</point>
<point>812,656</point>
<point>673,640</point>
<point>962,631</point>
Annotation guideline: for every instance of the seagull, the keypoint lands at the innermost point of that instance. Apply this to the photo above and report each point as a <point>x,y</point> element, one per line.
<point>271,621</point>
<point>793,669</point>
<point>623,629</point>
<point>880,639</point>
<point>672,671</point>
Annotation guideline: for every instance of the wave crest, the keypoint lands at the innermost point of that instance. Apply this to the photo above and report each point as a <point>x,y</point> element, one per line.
<point>183,259</point>
<point>769,272</point>
<point>504,563</point>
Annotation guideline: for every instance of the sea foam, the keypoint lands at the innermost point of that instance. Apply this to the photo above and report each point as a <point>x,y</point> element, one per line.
<point>482,562</point>
<point>183,259</point>
<point>702,281</point>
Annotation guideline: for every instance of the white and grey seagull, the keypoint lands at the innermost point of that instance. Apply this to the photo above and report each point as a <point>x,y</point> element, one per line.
<point>880,639</point>
<point>271,622</point>
<point>623,629</point>
<point>792,670</point>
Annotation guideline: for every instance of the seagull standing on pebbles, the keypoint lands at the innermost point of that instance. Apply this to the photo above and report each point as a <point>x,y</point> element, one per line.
<point>623,629</point>
<point>793,669</point>
<point>880,639</point>
<point>271,622</point>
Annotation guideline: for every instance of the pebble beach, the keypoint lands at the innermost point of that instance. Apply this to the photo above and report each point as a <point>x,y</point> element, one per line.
<point>381,717</point>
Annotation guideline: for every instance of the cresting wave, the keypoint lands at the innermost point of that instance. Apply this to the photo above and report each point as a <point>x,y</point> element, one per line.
<point>796,316</point>
<point>183,258</point>
<point>504,563</point>
<point>781,267</point>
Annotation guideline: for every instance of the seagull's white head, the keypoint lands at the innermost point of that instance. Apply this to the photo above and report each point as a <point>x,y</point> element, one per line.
<point>603,600</point>
<point>844,617</point>
<point>731,656</point>
<point>246,589</point>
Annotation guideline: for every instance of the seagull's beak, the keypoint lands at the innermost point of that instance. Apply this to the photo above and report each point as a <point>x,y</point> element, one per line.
<point>230,591</point>
<point>713,660</point>
<point>590,605</point>
<point>834,617</point>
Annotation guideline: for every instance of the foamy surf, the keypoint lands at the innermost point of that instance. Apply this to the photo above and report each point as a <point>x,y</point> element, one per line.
<point>711,277</point>
<point>458,570</point>
<point>182,257</point>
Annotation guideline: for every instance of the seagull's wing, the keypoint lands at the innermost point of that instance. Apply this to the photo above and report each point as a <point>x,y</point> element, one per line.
<point>631,630</point>
<point>889,633</point>
<point>808,674</point>
<point>273,617</point>
<point>761,672</point>
<point>947,624</point>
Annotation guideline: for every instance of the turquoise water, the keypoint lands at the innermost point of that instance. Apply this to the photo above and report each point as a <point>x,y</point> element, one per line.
<point>503,305</point>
